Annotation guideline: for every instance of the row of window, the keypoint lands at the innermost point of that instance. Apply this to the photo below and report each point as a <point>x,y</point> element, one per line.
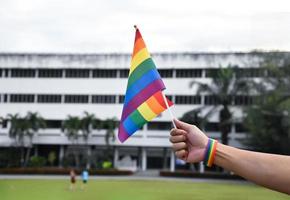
<point>120,73</point>
<point>112,99</point>
<point>209,127</point>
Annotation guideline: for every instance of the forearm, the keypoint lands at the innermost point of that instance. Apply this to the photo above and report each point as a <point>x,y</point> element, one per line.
<point>268,170</point>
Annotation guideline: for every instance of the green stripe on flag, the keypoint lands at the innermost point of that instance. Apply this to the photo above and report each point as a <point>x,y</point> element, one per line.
<point>144,67</point>
<point>137,118</point>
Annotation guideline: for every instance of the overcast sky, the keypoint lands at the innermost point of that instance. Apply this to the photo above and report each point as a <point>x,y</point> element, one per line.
<point>96,26</point>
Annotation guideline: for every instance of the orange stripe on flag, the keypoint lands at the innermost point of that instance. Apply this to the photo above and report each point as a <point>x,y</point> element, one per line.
<point>139,44</point>
<point>155,105</point>
<point>158,96</point>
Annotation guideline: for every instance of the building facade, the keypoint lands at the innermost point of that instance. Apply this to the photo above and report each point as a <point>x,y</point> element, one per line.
<point>58,85</point>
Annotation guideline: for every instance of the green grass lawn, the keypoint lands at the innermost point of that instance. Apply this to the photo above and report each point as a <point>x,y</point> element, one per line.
<point>132,190</point>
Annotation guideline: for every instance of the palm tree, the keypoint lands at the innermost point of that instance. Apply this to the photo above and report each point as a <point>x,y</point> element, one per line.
<point>88,122</point>
<point>267,122</point>
<point>72,127</point>
<point>18,129</point>
<point>109,125</point>
<point>224,86</point>
<point>35,122</point>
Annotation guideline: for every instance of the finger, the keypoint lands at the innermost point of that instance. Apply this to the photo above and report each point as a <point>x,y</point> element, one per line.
<point>177,138</point>
<point>179,146</point>
<point>175,131</point>
<point>182,154</point>
<point>182,125</point>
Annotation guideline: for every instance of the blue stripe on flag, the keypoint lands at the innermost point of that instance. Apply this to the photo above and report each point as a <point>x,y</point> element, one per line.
<point>130,126</point>
<point>140,84</point>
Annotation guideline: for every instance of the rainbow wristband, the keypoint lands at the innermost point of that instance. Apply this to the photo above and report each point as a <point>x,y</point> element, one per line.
<point>210,152</point>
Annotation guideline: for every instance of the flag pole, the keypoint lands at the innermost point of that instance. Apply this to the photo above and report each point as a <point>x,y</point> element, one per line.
<point>168,108</point>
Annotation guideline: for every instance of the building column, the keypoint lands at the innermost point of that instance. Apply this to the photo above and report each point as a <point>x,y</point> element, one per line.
<point>61,155</point>
<point>89,153</point>
<point>172,161</point>
<point>116,157</point>
<point>144,159</point>
<point>201,167</point>
<point>35,150</point>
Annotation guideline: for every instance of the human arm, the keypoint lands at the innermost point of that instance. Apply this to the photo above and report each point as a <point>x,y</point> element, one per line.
<point>269,170</point>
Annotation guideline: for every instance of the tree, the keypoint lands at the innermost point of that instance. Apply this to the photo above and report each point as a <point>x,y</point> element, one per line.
<point>72,127</point>
<point>34,122</point>
<point>268,121</point>
<point>88,122</point>
<point>223,87</point>
<point>21,127</point>
<point>109,125</point>
<point>17,130</point>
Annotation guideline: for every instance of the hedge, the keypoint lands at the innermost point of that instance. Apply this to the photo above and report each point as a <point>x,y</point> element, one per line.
<point>61,171</point>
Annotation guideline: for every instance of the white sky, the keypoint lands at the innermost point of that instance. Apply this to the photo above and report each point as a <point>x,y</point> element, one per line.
<point>96,26</point>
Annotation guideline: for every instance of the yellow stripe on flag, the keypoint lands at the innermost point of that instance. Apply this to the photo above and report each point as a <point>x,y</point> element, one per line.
<point>138,59</point>
<point>146,112</point>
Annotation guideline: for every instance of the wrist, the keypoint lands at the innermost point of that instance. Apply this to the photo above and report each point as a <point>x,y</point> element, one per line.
<point>210,152</point>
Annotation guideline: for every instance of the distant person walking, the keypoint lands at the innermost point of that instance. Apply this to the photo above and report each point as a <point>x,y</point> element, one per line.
<point>72,179</point>
<point>85,178</point>
<point>269,170</point>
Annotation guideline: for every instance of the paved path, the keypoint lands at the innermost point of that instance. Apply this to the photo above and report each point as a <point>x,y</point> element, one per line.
<point>147,176</point>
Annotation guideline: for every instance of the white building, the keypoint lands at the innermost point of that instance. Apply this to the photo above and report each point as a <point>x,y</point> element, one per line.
<point>58,85</point>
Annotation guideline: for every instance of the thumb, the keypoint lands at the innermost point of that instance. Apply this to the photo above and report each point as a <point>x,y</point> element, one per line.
<point>182,125</point>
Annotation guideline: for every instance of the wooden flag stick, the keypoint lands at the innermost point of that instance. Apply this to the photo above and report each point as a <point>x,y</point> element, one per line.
<point>168,108</point>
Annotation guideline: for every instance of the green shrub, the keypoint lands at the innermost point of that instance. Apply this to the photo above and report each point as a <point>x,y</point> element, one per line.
<point>107,165</point>
<point>37,161</point>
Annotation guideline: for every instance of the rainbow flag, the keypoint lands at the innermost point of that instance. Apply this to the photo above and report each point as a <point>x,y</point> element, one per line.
<point>143,98</point>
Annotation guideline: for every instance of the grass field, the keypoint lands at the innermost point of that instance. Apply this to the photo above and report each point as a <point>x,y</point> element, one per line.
<point>132,190</point>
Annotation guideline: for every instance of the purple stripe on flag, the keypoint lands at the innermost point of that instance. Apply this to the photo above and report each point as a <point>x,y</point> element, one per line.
<point>122,134</point>
<point>141,97</point>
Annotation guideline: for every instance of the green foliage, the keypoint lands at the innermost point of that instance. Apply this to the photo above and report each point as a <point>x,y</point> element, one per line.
<point>268,121</point>
<point>71,127</point>
<point>109,125</point>
<point>107,165</point>
<point>37,161</point>
<point>224,86</point>
<point>51,158</point>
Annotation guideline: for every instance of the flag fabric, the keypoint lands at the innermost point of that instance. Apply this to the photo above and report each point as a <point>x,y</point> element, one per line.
<point>143,99</point>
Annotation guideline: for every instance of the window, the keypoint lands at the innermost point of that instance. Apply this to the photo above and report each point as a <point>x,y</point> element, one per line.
<point>188,73</point>
<point>211,127</point>
<point>0,72</point>
<point>124,73</point>
<point>121,98</point>
<point>211,73</point>
<point>4,123</point>
<point>183,99</point>
<point>166,73</point>
<point>77,73</point>
<point>50,73</point>
<point>159,126</point>
<point>45,98</point>
<point>21,98</point>
<point>23,73</point>
<point>5,98</point>
<point>76,98</point>
<point>53,123</point>
<point>244,100</point>
<point>250,72</point>
<point>6,72</point>
<point>210,100</point>
<point>103,99</point>
<point>105,73</point>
